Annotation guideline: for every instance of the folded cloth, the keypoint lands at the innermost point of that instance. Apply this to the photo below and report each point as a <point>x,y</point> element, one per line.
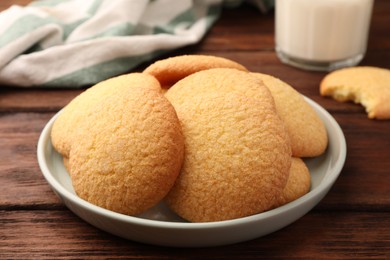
<point>74,43</point>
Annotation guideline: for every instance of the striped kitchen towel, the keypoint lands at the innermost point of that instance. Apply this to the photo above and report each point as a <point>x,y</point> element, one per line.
<point>75,43</point>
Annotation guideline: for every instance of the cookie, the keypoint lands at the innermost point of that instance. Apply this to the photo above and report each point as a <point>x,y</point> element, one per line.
<point>171,70</point>
<point>77,110</point>
<point>306,130</point>
<point>222,79</point>
<point>368,86</point>
<point>237,153</point>
<point>128,148</point>
<point>298,183</point>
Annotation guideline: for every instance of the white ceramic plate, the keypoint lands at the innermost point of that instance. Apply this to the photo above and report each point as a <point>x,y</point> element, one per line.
<point>160,226</point>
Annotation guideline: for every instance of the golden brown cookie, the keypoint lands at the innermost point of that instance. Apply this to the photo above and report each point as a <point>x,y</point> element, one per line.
<point>306,130</point>
<point>77,110</point>
<point>222,79</point>
<point>298,183</point>
<point>171,70</point>
<point>237,153</point>
<point>127,150</point>
<point>369,86</point>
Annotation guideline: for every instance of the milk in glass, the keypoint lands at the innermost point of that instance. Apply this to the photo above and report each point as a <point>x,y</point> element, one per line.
<point>322,34</point>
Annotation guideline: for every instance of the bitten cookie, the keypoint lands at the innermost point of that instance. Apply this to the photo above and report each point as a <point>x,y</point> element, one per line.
<point>171,70</point>
<point>298,183</point>
<point>306,130</point>
<point>127,150</point>
<point>237,152</point>
<point>369,86</point>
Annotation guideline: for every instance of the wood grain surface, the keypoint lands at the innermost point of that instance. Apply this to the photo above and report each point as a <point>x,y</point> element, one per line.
<point>351,222</point>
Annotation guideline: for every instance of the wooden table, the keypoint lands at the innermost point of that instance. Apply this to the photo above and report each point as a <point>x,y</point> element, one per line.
<point>351,222</point>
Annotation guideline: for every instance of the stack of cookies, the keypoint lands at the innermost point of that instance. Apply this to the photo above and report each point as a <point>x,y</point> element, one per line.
<point>212,139</point>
